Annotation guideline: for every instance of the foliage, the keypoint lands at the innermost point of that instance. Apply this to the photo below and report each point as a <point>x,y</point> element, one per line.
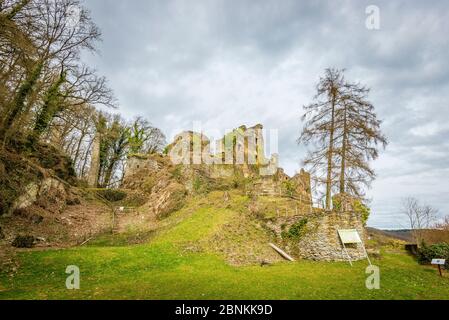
<point>52,104</point>
<point>290,187</point>
<point>336,203</point>
<point>296,231</point>
<point>144,138</point>
<point>435,251</point>
<point>356,204</point>
<point>197,184</point>
<point>202,184</point>
<point>149,183</point>
<point>363,209</point>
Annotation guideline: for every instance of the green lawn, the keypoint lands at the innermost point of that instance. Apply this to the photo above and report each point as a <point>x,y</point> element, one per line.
<point>161,270</point>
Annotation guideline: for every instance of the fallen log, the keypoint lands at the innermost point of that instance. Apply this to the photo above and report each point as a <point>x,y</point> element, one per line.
<point>281,252</point>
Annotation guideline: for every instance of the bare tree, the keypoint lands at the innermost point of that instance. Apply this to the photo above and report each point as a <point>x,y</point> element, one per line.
<point>421,217</point>
<point>53,43</point>
<point>145,138</point>
<point>320,128</point>
<point>444,225</point>
<point>358,135</point>
<point>345,131</point>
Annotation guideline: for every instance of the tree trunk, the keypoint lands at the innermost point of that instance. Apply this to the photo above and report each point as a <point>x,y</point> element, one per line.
<point>331,152</point>
<point>83,169</point>
<point>108,173</point>
<point>78,147</point>
<point>95,162</point>
<point>18,104</point>
<point>49,109</point>
<point>343,153</point>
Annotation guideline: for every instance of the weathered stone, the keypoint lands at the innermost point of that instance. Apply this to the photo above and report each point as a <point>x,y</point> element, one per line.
<point>47,192</point>
<point>321,241</point>
<point>239,154</point>
<point>28,197</point>
<point>136,164</point>
<point>167,199</point>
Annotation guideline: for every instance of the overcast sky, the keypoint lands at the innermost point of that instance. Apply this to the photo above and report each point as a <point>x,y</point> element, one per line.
<point>227,63</point>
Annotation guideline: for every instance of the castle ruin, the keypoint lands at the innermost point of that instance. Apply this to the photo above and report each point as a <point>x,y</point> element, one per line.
<point>240,153</point>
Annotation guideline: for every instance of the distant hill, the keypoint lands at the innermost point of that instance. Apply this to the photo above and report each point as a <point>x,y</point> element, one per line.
<point>404,234</point>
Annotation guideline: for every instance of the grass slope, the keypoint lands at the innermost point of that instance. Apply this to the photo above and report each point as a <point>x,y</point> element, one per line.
<point>164,269</point>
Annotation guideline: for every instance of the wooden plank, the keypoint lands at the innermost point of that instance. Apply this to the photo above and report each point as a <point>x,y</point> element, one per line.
<point>281,252</point>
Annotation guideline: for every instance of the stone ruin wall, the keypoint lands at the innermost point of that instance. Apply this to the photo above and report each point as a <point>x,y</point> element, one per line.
<point>138,164</point>
<point>269,180</point>
<point>321,241</point>
<point>325,244</point>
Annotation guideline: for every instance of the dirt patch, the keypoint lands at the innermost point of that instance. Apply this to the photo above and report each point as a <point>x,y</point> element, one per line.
<point>74,225</point>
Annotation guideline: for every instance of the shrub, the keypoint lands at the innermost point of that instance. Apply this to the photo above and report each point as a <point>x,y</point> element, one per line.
<point>220,184</point>
<point>290,187</point>
<point>435,251</point>
<point>112,195</point>
<point>197,184</point>
<point>363,209</point>
<point>23,242</point>
<point>357,206</point>
<point>296,231</point>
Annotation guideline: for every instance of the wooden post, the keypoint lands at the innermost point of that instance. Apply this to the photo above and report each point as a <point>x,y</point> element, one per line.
<point>347,254</point>
<point>439,263</point>
<point>281,252</point>
<point>113,221</point>
<point>366,254</point>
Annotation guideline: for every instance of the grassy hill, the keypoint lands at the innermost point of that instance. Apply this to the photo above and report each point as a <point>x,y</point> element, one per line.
<point>210,250</point>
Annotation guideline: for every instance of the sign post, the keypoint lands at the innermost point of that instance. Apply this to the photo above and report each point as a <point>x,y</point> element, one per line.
<point>439,263</point>
<point>351,236</point>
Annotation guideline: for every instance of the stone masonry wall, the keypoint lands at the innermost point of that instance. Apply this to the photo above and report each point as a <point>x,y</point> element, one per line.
<point>324,244</point>
<point>320,240</point>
